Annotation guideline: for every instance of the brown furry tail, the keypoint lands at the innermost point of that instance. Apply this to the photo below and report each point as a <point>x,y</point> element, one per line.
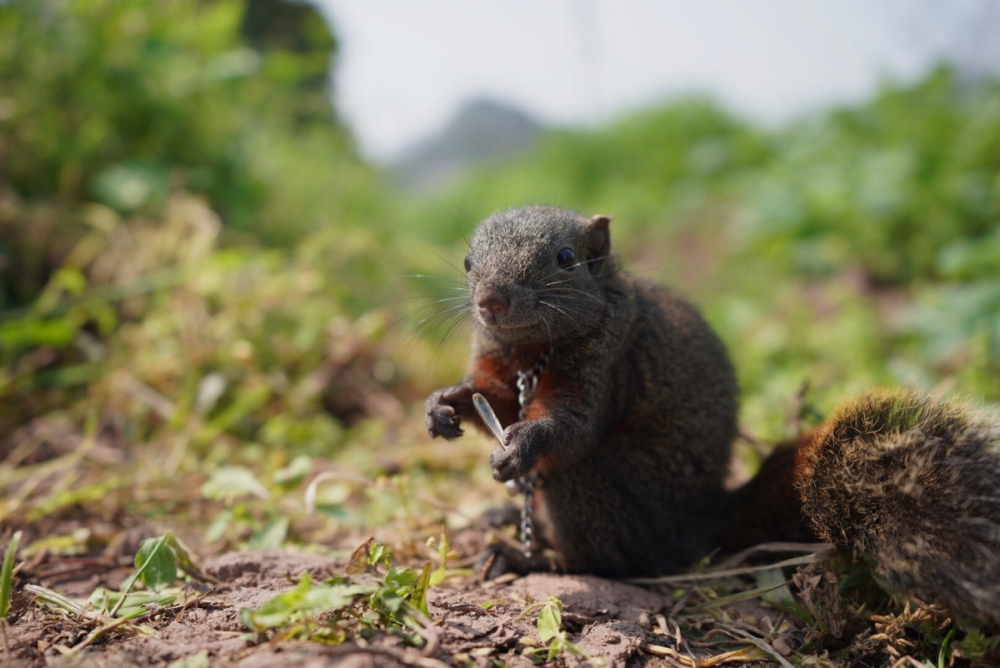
<point>913,485</point>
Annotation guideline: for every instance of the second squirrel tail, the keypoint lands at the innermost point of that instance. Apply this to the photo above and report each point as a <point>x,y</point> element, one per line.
<point>907,482</point>
<point>913,484</point>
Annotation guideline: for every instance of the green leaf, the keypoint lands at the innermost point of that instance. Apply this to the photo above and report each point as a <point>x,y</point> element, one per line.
<point>444,550</point>
<point>295,472</point>
<point>777,592</point>
<point>181,553</point>
<point>738,596</point>
<point>199,660</point>
<point>156,564</point>
<point>486,605</point>
<point>379,554</point>
<point>419,597</point>
<point>550,620</point>
<point>127,187</point>
<point>218,526</point>
<point>7,573</point>
<point>556,647</point>
<point>536,655</point>
<point>247,617</point>
<point>29,332</point>
<point>333,510</point>
<point>399,577</point>
<point>279,609</point>
<point>272,536</point>
<point>327,598</point>
<point>245,403</point>
<point>70,280</point>
<point>391,600</point>
<point>305,599</point>
<point>124,606</point>
<point>230,482</point>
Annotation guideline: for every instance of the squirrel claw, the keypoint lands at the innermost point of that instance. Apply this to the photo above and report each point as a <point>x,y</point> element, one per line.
<point>440,416</point>
<point>509,463</point>
<point>518,453</point>
<point>499,559</point>
<point>443,422</point>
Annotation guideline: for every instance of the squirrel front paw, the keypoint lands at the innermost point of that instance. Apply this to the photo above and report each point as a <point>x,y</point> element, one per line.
<point>519,454</point>
<point>441,411</point>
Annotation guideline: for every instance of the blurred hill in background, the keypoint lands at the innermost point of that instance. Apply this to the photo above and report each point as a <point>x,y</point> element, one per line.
<point>481,131</point>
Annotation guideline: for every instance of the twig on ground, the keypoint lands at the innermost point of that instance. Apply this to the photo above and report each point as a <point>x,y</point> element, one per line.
<point>711,575</point>
<point>743,555</point>
<point>757,642</point>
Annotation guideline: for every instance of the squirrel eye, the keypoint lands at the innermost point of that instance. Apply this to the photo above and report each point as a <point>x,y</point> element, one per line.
<point>565,258</point>
<point>468,263</point>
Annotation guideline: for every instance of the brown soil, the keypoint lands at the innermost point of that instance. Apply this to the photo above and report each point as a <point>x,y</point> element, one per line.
<point>607,619</point>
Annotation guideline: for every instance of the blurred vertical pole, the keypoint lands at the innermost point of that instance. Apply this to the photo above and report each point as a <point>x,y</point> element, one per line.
<point>589,38</point>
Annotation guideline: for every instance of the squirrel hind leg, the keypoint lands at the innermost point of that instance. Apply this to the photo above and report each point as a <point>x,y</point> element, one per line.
<point>499,559</point>
<point>768,508</point>
<point>913,484</point>
<point>504,515</point>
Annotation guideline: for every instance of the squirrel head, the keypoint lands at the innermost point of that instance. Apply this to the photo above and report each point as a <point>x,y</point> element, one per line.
<point>536,274</point>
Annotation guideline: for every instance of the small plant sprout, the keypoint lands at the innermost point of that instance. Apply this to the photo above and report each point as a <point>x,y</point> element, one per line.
<point>6,586</point>
<point>156,566</point>
<point>157,563</point>
<point>444,553</point>
<point>554,640</point>
<point>372,597</point>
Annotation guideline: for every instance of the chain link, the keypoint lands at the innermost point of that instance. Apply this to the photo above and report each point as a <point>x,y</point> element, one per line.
<point>527,383</point>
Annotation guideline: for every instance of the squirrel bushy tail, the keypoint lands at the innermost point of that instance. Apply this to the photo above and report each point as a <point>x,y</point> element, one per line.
<point>911,484</point>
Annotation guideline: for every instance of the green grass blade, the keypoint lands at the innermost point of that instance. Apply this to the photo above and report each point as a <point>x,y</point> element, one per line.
<point>7,573</point>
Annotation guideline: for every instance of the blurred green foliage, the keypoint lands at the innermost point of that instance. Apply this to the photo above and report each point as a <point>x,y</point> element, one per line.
<point>123,102</point>
<point>193,260</point>
<point>903,186</point>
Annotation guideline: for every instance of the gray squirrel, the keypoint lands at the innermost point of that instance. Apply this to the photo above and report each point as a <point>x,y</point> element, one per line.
<point>628,431</point>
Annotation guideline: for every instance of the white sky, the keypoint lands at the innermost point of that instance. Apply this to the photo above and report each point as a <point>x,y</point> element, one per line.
<point>406,65</point>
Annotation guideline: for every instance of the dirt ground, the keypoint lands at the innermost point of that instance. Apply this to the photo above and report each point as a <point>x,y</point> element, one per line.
<point>618,622</point>
<point>699,621</point>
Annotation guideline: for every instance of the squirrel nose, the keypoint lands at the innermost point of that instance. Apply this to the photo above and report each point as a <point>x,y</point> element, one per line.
<point>492,307</point>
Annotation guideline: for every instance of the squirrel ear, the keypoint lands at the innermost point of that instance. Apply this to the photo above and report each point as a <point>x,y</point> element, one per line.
<point>598,242</point>
<point>600,221</point>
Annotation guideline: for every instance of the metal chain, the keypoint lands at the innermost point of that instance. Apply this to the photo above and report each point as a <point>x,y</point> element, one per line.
<point>527,510</point>
<point>527,383</point>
